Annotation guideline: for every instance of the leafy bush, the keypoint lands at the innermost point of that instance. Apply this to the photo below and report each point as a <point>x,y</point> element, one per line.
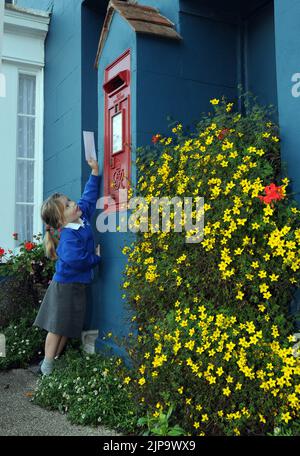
<point>25,278</point>
<point>88,388</point>
<point>30,261</point>
<point>214,329</point>
<point>24,342</point>
<point>287,430</point>
<point>159,425</point>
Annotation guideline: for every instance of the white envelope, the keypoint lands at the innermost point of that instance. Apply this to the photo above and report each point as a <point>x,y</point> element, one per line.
<point>89,145</point>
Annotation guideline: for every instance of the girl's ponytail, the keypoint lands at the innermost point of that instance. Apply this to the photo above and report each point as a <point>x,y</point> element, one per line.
<point>52,213</point>
<point>50,243</point>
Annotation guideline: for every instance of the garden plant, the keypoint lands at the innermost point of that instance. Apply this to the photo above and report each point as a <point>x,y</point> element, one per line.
<point>214,333</point>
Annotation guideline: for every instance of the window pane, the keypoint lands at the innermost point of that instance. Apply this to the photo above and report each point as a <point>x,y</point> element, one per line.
<point>24,222</point>
<point>26,101</point>
<point>26,126</point>
<point>25,180</point>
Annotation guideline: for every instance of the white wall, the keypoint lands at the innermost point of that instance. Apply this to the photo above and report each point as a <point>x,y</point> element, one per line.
<point>22,51</point>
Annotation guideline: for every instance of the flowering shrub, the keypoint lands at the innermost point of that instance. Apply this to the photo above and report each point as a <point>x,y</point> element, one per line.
<point>88,390</point>
<point>24,342</point>
<point>29,261</point>
<point>214,330</point>
<point>26,276</point>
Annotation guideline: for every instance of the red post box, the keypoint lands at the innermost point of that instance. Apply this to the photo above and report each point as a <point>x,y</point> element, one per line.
<point>117,138</point>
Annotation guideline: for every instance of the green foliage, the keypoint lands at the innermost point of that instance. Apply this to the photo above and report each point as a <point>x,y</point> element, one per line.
<point>287,430</point>
<point>29,262</point>
<point>24,342</point>
<point>160,425</point>
<point>88,389</point>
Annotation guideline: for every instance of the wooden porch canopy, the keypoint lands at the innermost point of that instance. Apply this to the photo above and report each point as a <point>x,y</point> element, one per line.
<point>142,19</point>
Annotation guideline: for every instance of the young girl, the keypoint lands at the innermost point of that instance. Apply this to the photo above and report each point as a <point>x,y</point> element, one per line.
<point>63,308</point>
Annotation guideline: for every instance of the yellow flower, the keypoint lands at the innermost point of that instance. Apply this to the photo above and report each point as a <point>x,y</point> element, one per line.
<point>214,101</point>
<point>127,380</point>
<point>240,295</point>
<point>220,371</point>
<point>267,295</point>
<point>180,390</point>
<point>275,332</point>
<point>220,413</point>
<point>204,418</point>
<point>286,417</point>
<point>238,251</point>
<point>178,280</point>
<point>263,287</point>
<point>226,391</point>
<point>142,381</point>
<point>262,274</point>
<point>268,210</point>
<point>196,424</point>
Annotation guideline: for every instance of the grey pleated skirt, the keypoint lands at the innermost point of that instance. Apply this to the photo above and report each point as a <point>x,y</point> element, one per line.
<point>63,308</point>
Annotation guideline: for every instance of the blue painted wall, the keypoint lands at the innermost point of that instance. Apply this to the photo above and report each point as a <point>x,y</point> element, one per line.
<point>287,26</point>
<point>260,56</point>
<point>62,95</point>
<point>91,25</point>
<point>111,313</point>
<point>222,46</point>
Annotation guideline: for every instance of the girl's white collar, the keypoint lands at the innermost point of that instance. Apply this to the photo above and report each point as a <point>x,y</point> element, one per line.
<point>74,226</point>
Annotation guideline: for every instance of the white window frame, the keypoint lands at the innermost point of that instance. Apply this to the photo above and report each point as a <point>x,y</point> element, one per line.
<point>38,146</point>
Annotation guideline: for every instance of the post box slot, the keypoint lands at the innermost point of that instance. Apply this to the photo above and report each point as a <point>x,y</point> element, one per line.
<point>117,82</point>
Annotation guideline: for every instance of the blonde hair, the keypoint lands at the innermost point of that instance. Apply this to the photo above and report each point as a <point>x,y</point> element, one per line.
<point>52,214</point>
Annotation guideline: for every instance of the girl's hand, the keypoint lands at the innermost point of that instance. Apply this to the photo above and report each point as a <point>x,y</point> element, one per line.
<point>98,250</point>
<point>94,165</point>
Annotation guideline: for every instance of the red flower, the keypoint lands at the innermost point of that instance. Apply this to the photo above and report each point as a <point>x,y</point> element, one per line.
<point>155,138</point>
<point>273,193</point>
<point>2,252</point>
<point>29,246</point>
<point>223,133</point>
<point>15,236</point>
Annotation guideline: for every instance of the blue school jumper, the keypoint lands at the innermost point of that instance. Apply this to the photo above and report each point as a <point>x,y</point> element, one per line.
<point>76,248</point>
